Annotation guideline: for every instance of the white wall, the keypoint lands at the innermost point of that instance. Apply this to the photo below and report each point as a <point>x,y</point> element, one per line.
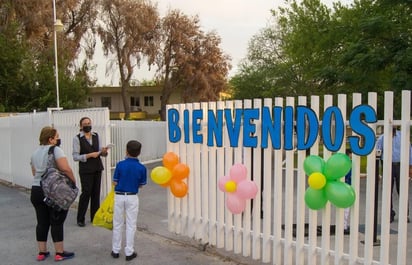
<point>19,136</point>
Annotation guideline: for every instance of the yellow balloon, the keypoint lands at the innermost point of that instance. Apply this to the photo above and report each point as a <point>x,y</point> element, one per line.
<point>230,186</point>
<point>317,180</point>
<point>161,175</point>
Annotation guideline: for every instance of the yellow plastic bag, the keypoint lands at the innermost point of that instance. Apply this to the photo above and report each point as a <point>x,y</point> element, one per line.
<point>104,215</point>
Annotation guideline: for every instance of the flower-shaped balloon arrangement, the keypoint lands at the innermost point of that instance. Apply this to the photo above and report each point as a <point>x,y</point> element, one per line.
<point>238,189</point>
<point>171,174</point>
<point>324,183</point>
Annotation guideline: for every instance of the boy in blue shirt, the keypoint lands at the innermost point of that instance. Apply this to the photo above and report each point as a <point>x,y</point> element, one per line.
<point>129,176</point>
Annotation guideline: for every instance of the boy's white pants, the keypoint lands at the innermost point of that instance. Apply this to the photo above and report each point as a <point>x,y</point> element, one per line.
<point>124,205</point>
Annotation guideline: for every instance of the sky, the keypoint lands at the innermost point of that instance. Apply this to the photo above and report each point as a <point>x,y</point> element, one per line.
<point>235,21</point>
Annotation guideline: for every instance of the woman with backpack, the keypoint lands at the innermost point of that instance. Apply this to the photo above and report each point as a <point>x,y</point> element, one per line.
<point>49,218</point>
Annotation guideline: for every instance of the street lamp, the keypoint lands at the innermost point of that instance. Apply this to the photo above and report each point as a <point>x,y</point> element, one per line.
<point>58,27</point>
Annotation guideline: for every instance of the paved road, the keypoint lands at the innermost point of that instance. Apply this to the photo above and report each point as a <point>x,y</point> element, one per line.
<point>92,245</point>
<point>154,244</point>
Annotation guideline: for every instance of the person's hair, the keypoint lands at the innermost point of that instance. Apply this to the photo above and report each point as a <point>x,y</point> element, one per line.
<point>133,148</point>
<point>82,119</point>
<point>46,133</point>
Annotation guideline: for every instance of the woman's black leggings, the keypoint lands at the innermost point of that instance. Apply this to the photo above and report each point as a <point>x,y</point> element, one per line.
<point>47,217</point>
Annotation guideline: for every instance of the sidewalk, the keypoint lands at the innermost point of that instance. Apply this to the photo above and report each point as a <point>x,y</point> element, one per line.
<point>92,245</point>
<point>154,243</point>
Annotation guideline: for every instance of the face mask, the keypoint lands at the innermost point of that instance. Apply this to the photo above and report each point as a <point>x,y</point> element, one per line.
<point>87,129</point>
<point>58,142</point>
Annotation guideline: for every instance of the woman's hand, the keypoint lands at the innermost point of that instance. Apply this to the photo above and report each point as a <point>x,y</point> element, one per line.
<point>104,152</point>
<point>92,155</point>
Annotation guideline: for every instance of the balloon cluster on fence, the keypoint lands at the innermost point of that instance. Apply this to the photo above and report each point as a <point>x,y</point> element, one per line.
<point>238,188</point>
<point>324,183</point>
<point>172,174</point>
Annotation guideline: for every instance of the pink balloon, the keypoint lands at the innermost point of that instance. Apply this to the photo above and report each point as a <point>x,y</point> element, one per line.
<point>235,204</point>
<point>247,189</point>
<point>222,182</point>
<point>238,172</point>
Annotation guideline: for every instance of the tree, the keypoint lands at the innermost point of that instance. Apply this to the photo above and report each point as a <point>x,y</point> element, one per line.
<point>377,55</point>
<point>284,57</point>
<point>190,61</point>
<point>262,73</point>
<point>206,74</point>
<point>32,25</point>
<point>361,48</point>
<point>12,56</point>
<point>129,31</point>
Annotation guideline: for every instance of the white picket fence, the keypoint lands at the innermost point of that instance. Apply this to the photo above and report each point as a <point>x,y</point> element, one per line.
<point>278,236</point>
<point>19,138</point>
<point>272,228</point>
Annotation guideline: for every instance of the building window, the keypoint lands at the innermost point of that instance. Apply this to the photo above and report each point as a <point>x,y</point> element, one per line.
<point>148,101</point>
<point>107,102</point>
<point>135,101</point>
<point>90,99</point>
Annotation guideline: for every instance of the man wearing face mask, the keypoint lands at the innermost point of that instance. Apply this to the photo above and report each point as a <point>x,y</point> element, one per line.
<point>87,150</point>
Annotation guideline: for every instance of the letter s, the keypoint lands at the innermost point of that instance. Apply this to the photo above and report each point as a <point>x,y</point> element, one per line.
<point>362,129</point>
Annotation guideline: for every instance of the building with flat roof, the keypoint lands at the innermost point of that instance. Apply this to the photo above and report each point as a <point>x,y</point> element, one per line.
<point>144,101</point>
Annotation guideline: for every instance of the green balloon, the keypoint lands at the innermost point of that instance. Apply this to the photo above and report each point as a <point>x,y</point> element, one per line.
<point>337,166</point>
<point>315,199</point>
<point>340,194</point>
<point>313,164</point>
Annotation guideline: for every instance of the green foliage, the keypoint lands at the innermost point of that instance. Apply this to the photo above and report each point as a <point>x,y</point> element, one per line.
<point>29,82</point>
<point>360,48</point>
<point>12,56</point>
<point>146,82</point>
<point>27,79</point>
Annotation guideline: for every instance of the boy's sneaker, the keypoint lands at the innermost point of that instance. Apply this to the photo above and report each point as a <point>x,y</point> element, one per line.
<point>64,255</point>
<point>115,255</point>
<point>129,258</point>
<point>42,256</point>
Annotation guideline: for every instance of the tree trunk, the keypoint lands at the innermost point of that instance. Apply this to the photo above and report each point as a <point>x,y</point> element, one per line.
<point>125,100</point>
<point>166,92</point>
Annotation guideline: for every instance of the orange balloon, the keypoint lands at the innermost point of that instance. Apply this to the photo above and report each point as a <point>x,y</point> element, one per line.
<point>170,160</point>
<point>178,188</point>
<point>180,171</point>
